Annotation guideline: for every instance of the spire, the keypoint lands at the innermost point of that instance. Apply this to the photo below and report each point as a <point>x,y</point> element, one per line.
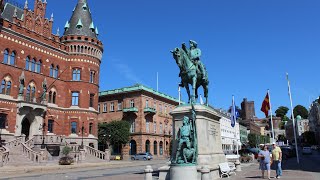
<point>58,32</point>
<point>45,1</point>
<point>26,4</point>
<point>97,32</point>
<point>81,22</point>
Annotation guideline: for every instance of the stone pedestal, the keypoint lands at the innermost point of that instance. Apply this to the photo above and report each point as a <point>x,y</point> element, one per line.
<point>210,152</point>
<point>183,172</point>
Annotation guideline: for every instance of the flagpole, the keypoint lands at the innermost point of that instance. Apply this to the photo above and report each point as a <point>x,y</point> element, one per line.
<point>273,138</point>
<point>293,120</point>
<point>235,121</point>
<point>179,93</point>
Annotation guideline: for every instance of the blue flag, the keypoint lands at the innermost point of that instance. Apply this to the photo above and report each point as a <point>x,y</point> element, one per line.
<point>234,113</point>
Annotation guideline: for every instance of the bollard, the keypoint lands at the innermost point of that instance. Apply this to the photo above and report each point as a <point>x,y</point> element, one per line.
<point>205,173</point>
<point>148,173</point>
<point>238,165</point>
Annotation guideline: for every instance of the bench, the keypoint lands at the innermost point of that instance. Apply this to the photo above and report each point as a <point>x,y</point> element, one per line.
<point>226,170</point>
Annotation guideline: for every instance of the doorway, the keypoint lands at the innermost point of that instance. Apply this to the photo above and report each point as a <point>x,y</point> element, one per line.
<point>25,128</point>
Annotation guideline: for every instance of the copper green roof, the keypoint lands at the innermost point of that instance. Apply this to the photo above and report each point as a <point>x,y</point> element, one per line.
<point>137,87</point>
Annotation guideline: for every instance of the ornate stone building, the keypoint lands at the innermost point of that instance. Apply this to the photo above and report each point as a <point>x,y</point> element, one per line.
<point>147,111</point>
<point>49,83</point>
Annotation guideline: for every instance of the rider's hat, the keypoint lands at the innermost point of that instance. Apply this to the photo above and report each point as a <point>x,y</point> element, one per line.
<point>194,43</point>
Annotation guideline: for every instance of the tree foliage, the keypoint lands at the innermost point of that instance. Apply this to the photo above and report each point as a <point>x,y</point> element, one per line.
<point>255,139</point>
<point>300,110</point>
<point>282,111</point>
<point>115,132</point>
<point>309,137</point>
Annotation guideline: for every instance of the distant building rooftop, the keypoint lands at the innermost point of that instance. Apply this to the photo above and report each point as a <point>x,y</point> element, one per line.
<point>137,87</point>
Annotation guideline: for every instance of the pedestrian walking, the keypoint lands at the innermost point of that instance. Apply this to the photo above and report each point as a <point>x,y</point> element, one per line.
<point>264,156</point>
<point>277,158</point>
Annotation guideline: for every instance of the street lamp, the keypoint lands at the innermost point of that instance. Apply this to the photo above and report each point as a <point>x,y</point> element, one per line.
<point>82,131</point>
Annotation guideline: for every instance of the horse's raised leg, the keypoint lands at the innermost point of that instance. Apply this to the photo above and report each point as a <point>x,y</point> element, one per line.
<point>206,91</point>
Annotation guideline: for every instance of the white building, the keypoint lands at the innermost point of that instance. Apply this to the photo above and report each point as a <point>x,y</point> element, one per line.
<point>230,136</point>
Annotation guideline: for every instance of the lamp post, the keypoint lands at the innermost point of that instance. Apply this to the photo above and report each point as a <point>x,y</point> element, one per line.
<point>82,131</point>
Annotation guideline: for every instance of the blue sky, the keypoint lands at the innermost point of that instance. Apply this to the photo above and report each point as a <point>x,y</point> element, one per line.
<point>247,45</point>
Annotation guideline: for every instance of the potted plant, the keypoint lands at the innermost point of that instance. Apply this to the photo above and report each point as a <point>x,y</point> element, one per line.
<point>66,159</point>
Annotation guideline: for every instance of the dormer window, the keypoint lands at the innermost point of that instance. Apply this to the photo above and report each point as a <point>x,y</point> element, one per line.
<point>85,7</point>
<point>79,24</point>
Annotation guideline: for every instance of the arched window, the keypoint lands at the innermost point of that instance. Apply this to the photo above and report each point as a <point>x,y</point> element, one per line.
<point>54,97</point>
<point>92,76</point>
<point>38,67</point>
<point>28,63</point>
<point>31,93</point>
<point>155,148</point>
<point>33,65</point>
<point>51,70</point>
<point>90,128</point>
<point>6,57</point>
<point>56,72</point>
<point>5,87</point>
<point>50,125</point>
<point>76,74</point>
<point>12,58</point>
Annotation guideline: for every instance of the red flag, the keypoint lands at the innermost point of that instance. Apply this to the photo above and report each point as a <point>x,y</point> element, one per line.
<point>266,105</point>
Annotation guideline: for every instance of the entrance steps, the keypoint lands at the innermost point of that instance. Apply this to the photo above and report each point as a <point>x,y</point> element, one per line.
<point>16,158</point>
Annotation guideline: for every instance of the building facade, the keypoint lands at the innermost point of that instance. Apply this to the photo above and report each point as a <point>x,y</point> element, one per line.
<point>230,136</point>
<point>243,134</point>
<point>147,111</point>
<point>302,125</point>
<point>49,83</point>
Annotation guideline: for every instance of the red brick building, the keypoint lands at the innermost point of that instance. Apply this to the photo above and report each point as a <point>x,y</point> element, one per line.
<point>147,111</point>
<point>47,80</point>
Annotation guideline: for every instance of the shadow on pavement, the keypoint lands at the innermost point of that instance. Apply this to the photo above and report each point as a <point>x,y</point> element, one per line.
<point>254,177</point>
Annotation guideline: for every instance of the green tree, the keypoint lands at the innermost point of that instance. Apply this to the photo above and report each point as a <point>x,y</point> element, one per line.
<point>115,132</point>
<point>309,137</point>
<point>282,111</point>
<point>300,110</point>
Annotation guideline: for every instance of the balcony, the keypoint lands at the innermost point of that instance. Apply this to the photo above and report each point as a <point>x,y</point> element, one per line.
<point>128,110</point>
<point>149,110</point>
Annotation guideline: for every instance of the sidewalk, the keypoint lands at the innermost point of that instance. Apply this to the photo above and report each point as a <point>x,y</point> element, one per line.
<point>252,172</point>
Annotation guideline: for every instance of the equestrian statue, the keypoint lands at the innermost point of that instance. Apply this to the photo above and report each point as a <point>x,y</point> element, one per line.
<point>192,70</point>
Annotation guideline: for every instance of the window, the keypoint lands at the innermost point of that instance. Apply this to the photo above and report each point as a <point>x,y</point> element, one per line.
<point>3,121</point>
<point>27,63</point>
<point>132,126</point>
<point>50,126</point>
<point>119,105</point>
<point>155,105</point>
<point>56,72</point>
<point>105,107</point>
<point>12,58</point>
<point>112,106</point>
<point>38,66</point>
<point>131,103</point>
<point>160,108</point>
<point>75,98</point>
<point>147,103</point>
<point>31,92</point>
<point>92,76</point>
<point>51,70</point>
<point>74,127</point>
<point>161,130</point>
<point>76,75</point>
<point>99,108</point>
<point>90,128</point>
<point>5,87</point>
<point>91,101</point>
<point>6,57</point>
<point>33,65</point>
<point>147,126</point>
<point>154,127</point>
<point>52,96</point>
<point>165,109</point>
<point>166,129</point>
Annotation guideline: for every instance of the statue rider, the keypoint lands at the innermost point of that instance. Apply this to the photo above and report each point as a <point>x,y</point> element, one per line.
<point>194,54</point>
<point>184,137</point>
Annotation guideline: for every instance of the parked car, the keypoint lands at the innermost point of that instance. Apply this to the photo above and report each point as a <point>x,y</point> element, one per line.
<point>306,150</point>
<point>288,152</point>
<point>142,156</point>
<point>315,147</point>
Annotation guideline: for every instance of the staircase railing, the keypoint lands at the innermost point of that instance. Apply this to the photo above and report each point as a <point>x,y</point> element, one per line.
<point>4,156</point>
<point>30,142</point>
<point>33,155</point>
<point>14,143</point>
<point>97,153</point>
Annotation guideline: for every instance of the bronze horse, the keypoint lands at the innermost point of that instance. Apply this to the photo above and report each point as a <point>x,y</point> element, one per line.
<point>190,75</point>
